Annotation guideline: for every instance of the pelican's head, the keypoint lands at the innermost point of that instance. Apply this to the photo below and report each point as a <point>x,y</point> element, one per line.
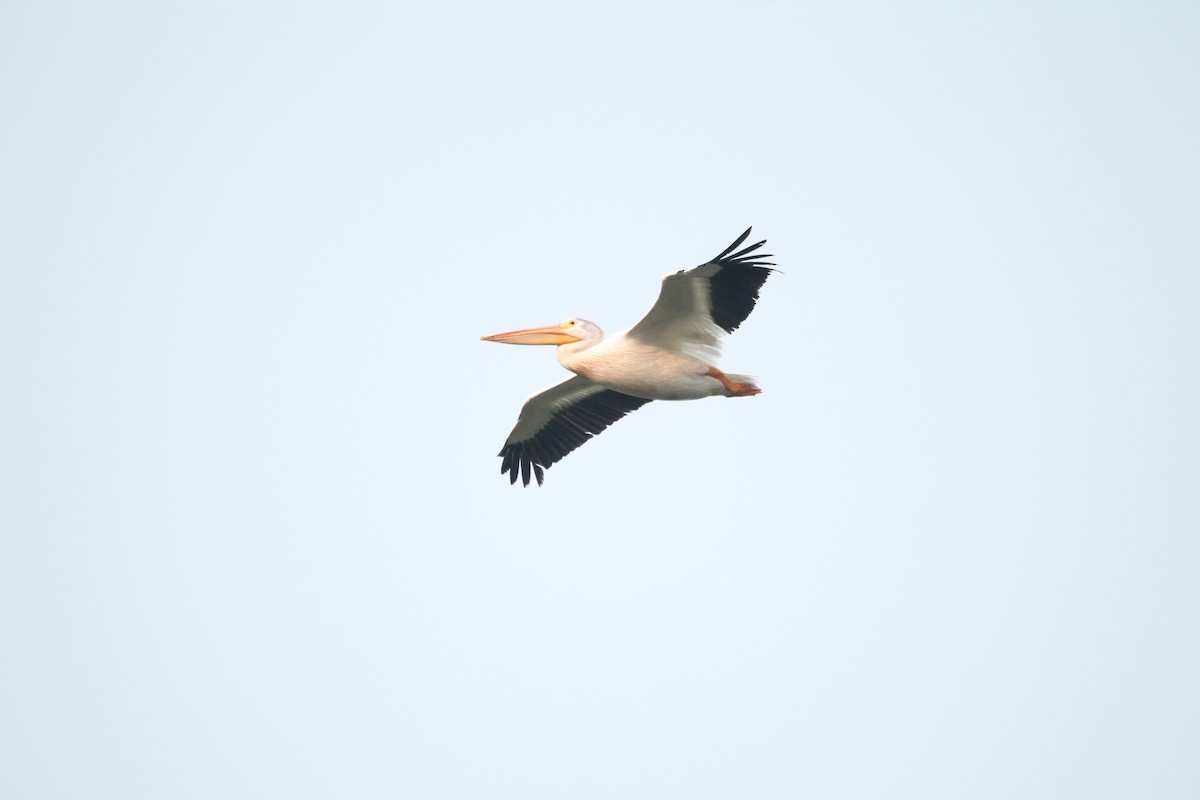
<point>569,332</point>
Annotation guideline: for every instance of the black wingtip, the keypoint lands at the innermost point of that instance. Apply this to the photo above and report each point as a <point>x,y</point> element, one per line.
<point>738,243</point>
<point>735,287</point>
<point>750,249</point>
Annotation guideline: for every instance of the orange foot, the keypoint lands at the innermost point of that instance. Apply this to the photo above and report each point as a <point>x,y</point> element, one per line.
<point>734,388</point>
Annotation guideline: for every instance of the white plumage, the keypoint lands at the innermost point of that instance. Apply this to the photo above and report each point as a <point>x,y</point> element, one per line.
<point>670,354</point>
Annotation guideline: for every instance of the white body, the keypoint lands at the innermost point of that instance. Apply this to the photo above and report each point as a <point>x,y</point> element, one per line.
<point>643,369</point>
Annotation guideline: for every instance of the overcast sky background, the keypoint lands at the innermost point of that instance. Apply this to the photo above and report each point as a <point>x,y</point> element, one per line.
<point>255,539</point>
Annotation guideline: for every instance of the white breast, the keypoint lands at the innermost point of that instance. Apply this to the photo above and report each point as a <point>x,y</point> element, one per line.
<point>633,367</point>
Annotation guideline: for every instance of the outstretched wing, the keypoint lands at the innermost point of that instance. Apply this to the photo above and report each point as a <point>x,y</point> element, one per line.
<point>557,420</point>
<point>697,306</point>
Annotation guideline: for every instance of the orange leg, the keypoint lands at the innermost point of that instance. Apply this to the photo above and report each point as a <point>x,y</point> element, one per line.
<point>734,388</point>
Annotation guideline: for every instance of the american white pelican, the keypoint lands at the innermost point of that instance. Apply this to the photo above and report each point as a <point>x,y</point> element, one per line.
<point>670,355</point>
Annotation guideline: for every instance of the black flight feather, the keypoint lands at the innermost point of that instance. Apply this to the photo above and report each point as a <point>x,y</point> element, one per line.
<point>735,287</point>
<point>569,428</point>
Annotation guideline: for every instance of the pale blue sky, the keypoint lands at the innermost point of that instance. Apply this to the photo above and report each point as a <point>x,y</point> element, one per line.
<point>255,539</point>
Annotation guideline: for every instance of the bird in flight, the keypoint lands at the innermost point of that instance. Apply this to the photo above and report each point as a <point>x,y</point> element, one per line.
<point>670,354</point>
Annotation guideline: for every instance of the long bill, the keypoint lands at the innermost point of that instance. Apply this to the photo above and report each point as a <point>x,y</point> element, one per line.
<point>547,334</point>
